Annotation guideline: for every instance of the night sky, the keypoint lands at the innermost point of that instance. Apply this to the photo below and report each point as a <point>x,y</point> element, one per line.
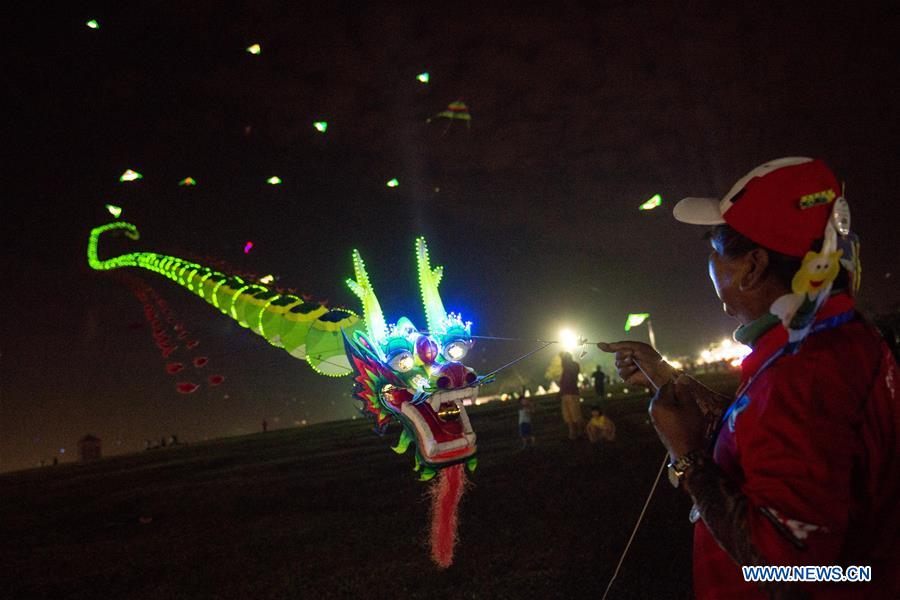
<point>579,113</point>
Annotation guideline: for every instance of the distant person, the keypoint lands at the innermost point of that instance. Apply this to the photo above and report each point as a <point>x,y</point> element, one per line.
<point>599,382</point>
<point>526,431</point>
<point>600,427</point>
<point>569,397</point>
<point>800,466</point>
<point>265,425</point>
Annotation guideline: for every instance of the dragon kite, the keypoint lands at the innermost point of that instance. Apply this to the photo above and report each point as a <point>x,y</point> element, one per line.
<point>403,374</point>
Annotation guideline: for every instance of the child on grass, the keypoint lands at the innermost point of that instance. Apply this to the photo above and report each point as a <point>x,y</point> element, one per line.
<point>600,427</point>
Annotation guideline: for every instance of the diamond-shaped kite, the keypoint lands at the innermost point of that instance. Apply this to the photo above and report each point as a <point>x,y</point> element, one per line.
<point>652,203</point>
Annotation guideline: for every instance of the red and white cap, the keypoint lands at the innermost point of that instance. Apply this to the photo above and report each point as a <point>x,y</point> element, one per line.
<point>782,205</point>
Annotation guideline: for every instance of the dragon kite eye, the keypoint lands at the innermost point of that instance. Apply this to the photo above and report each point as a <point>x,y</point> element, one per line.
<point>455,351</point>
<point>403,362</point>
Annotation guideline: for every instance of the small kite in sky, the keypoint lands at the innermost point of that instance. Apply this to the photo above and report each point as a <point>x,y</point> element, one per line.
<point>274,180</point>
<point>186,388</point>
<point>321,126</point>
<point>93,24</point>
<point>635,319</point>
<point>455,111</point>
<point>188,181</point>
<point>267,279</point>
<point>652,203</point>
<point>216,379</point>
<point>423,77</point>
<point>130,175</point>
<point>114,210</point>
<point>248,247</point>
<point>255,49</point>
<point>392,183</point>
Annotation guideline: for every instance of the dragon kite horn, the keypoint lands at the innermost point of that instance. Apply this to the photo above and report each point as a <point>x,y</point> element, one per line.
<point>363,289</point>
<point>429,279</point>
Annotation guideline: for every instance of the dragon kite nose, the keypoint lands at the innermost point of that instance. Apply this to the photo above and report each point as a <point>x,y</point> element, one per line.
<point>455,375</point>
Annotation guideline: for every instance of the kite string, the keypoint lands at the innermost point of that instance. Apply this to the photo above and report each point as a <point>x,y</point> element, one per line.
<point>636,525</point>
<point>649,496</point>
<point>523,357</point>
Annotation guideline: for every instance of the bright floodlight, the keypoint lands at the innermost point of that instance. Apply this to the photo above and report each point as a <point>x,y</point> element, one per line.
<point>635,319</point>
<point>568,339</point>
<point>652,203</point>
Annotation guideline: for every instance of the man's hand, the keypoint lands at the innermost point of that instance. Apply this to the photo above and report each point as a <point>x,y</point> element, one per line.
<point>651,362</point>
<point>678,420</point>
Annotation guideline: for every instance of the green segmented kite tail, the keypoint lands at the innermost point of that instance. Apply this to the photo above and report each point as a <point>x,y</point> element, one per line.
<point>306,330</point>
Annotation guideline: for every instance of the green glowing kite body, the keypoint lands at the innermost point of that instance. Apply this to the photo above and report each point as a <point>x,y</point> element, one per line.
<point>306,330</point>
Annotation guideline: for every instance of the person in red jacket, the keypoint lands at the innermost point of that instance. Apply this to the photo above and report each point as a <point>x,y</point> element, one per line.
<point>802,466</point>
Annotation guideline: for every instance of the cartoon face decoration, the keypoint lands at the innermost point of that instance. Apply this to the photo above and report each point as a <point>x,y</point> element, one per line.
<point>816,273</point>
<point>416,377</point>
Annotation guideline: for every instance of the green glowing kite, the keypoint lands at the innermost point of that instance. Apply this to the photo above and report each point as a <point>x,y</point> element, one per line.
<point>413,378</point>
<point>652,203</point>
<point>274,180</point>
<point>290,322</point>
<point>321,126</point>
<point>635,319</point>
<point>255,49</point>
<point>423,77</point>
<point>188,181</point>
<point>93,24</point>
<point>114,210</point>
<point>130,175</point>
<point>393,183</point>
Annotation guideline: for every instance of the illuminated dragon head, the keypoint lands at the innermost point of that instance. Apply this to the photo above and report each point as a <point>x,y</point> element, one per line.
<point>416,377</point>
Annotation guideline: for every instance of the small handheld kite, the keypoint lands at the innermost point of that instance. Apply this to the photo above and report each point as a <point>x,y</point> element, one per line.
<point>402,374</point>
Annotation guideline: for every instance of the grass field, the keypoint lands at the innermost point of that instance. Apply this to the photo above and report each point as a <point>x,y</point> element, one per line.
<point>328,511</point>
